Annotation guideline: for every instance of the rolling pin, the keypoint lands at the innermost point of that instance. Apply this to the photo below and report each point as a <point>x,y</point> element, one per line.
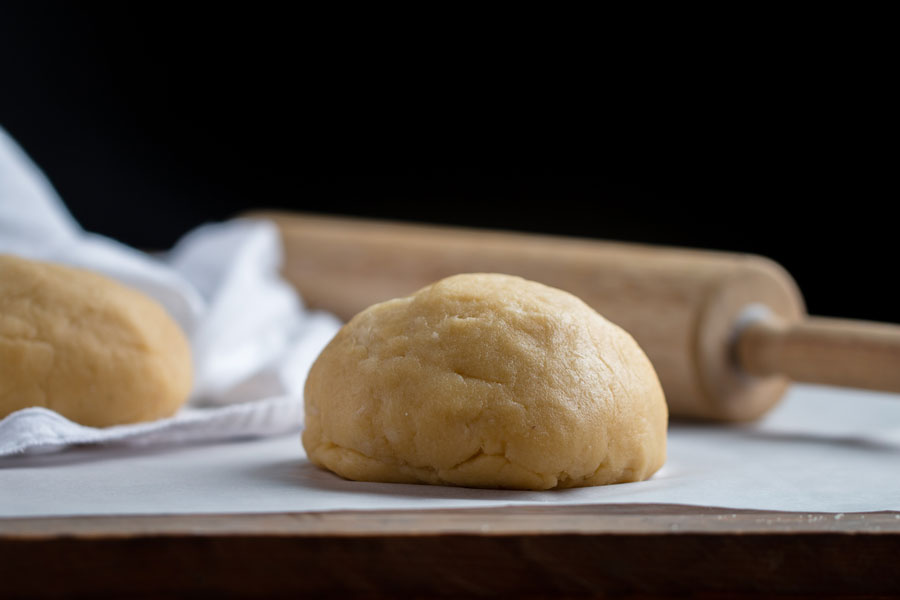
<point>726,332</point>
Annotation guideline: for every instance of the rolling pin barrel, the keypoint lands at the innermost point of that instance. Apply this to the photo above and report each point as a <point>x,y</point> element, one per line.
<point>684,307</point>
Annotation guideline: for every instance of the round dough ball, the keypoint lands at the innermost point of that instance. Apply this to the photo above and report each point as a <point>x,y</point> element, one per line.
<point>93,350</point>
<point>485,380</point>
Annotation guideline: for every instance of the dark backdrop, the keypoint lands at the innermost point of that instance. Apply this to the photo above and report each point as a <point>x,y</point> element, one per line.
<point>150,121</point>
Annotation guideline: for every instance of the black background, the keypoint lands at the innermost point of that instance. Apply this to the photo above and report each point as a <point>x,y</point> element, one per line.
<point>150,121</point>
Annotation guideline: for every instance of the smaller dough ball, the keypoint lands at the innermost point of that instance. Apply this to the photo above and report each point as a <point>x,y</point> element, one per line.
<point>89,348</point>
<point>485,380</point>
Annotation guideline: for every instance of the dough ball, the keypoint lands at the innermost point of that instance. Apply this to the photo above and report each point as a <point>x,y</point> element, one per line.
<point>485,380</point>
<point>93,350</point>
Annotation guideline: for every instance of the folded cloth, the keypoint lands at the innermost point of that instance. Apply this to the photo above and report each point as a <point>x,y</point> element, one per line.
<point>251,338</point>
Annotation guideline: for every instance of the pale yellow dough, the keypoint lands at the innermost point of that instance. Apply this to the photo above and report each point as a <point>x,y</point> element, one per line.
<point>93,350</point>
<point>485,380</point>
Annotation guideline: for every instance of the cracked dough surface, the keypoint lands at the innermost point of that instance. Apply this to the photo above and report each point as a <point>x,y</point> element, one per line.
<point>485,380</point>
<point>87,347</point>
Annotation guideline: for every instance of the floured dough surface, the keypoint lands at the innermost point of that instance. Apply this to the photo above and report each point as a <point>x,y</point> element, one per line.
<point>89,348</point>
<point>485,380</point>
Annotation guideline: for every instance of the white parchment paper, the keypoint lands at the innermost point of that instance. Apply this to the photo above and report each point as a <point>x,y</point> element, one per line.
<point>820,450</point>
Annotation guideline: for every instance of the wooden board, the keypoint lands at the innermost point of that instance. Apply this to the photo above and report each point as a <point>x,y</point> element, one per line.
<point>608,550</point>
<point>523,552</point>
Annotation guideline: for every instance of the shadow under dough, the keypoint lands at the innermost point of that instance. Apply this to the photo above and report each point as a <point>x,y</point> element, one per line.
<point>302,472</point>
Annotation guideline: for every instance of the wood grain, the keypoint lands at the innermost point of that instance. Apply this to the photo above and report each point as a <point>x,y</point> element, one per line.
<point>514,520</point>
<point>610,550</point>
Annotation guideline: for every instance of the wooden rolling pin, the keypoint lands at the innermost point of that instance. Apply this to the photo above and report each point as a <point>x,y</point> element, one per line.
<point>726,332</point>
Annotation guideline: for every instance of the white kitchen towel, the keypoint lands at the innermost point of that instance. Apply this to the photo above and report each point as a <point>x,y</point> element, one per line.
<point>252,340</point>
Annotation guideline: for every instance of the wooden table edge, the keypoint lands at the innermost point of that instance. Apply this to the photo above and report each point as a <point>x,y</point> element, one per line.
<point>516,551</point>
<point>602,519</point>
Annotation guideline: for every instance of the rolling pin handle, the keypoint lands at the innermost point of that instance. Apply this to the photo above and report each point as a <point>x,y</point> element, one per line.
<point>822,350</point>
